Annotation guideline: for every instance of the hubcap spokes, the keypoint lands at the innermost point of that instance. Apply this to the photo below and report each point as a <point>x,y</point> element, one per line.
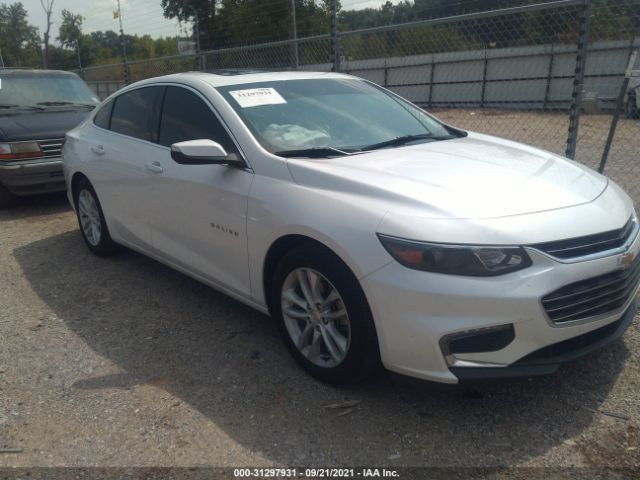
<point>89,217</point>
<point>316,317</point>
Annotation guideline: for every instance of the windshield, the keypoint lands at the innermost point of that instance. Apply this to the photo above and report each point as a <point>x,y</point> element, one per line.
<point>329,115</point>
<point>44,91</point>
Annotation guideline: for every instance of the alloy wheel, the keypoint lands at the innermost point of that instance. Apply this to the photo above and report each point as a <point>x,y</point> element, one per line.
<point>89,217</point>
<point>316,317</point>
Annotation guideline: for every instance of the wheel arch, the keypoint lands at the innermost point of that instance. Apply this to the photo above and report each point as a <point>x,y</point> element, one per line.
<point>284,244</point>
<point>75,180</point>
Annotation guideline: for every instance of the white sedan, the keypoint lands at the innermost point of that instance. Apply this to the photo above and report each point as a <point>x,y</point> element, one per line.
<point>372,232</point>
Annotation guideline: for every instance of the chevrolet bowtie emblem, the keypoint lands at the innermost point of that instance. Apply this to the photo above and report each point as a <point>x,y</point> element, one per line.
<point>626,259</point>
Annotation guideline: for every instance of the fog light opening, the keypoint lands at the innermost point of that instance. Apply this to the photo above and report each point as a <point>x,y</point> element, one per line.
<point>482,340</point>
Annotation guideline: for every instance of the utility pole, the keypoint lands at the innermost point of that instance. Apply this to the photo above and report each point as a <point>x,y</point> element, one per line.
<point>294,35</point>
<point>125,62</point>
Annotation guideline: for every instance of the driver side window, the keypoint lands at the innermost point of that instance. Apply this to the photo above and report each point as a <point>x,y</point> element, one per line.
<point>185,116</point>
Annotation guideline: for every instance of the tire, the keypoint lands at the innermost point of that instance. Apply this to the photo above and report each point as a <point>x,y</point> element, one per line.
<point>335,348</point>
<point>632,106</point>
<point>91,220</point>
<point>7,199</point>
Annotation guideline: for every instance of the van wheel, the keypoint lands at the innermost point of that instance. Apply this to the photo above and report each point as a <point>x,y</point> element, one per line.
<point>324,316</point>
<point>632,106</point>
<point>91,220</point>
<point>7,199</point>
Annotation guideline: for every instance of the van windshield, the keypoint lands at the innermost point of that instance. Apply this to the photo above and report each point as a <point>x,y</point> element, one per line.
<point>43,92</point>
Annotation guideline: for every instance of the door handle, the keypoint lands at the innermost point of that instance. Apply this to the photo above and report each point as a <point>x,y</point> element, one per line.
<point>97,149</point>
<point>154,167</point>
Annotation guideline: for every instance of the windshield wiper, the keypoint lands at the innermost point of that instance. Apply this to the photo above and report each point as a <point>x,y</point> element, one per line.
<point>403,140</point>
<point>64,103</point>
<point>11,105</point>
<point>315,152</point>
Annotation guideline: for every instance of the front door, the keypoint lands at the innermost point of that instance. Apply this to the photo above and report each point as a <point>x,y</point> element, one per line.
<point>199,218</point>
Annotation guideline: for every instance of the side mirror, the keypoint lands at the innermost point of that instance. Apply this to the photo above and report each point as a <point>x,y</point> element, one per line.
<point>202,152</point>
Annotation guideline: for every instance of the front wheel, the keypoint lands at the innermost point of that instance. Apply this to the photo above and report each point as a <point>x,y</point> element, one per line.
<point>91,220</point>
<point>7,199</point>
<point>324,316</point>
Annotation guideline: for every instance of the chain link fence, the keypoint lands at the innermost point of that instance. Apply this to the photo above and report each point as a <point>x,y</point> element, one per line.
<point>615,34</point>
<point>549,75</point>
<point>507,73</point>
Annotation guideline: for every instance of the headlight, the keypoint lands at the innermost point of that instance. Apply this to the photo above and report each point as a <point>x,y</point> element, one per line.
<point>476,261</point>
<point>19,150</point>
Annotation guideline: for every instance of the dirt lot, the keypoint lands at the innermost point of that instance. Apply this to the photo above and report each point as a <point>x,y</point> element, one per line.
<point>124,362</point>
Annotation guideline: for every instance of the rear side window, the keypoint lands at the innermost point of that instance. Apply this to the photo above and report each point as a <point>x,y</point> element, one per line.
<point>185,116</point>
<point>103,116</point>
<point>135,113</point>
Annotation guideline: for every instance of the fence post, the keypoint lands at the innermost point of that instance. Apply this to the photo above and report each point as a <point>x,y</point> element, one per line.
<point>196,32</point>
<point>484,77</point>
<point>432,74</point>
<point>547,90</point>
<point>335,39</point>
<point>295,61</point>
<point>619,106</point>
<point>578,80</point>
<point>126,72</point>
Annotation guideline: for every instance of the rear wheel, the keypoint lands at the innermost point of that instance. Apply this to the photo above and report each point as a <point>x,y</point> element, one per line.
<point>632,106</point>
<point>324,316</point>
<point>91,220</point>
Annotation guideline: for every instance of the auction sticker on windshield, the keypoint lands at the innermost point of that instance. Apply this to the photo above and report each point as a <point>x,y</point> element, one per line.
<point>254,97</point>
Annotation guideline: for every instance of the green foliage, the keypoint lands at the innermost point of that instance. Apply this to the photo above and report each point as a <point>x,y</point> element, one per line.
<point>19,41</point>
<point>229,23</point>
<point>70,32</point>
<point>105,47</point>
<point>201,12</point>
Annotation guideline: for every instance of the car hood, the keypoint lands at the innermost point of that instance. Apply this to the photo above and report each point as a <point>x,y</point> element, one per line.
<point>34,125</point>
<point>477,176</point>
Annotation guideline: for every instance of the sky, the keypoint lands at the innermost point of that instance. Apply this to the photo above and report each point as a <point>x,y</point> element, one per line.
<point>138,16</point>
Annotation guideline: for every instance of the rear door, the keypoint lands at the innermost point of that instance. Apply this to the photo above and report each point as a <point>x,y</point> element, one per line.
<point>123,155</point>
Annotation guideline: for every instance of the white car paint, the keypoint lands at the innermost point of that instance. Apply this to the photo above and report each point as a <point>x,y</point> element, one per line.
<point>217,223</point>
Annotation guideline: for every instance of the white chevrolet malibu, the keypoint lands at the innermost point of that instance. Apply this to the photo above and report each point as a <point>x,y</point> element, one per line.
<point>372,232</point>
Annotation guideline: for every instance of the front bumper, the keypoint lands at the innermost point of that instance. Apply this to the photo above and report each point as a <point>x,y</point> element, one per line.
<point>32,176</point>
<point>548,359</point>
<point>415,310</point>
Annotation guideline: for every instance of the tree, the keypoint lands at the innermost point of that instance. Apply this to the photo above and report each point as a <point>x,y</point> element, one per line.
<point>19,41</point>
<point>70,32</point>
<point>47,6</point>
<point>143,47</point>
<point>70,29</point>
<point>201,12</point>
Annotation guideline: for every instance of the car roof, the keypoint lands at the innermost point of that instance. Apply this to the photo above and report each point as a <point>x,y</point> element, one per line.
<point>234,77</point>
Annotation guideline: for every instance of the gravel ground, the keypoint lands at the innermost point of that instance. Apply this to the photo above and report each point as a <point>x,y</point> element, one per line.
<point>124,362</point>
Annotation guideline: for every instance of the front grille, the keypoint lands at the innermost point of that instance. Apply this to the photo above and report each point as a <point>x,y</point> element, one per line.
<point>590,244</point>
<point>556,351</point>
<point>594,296</point>
<point>51,147</point>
